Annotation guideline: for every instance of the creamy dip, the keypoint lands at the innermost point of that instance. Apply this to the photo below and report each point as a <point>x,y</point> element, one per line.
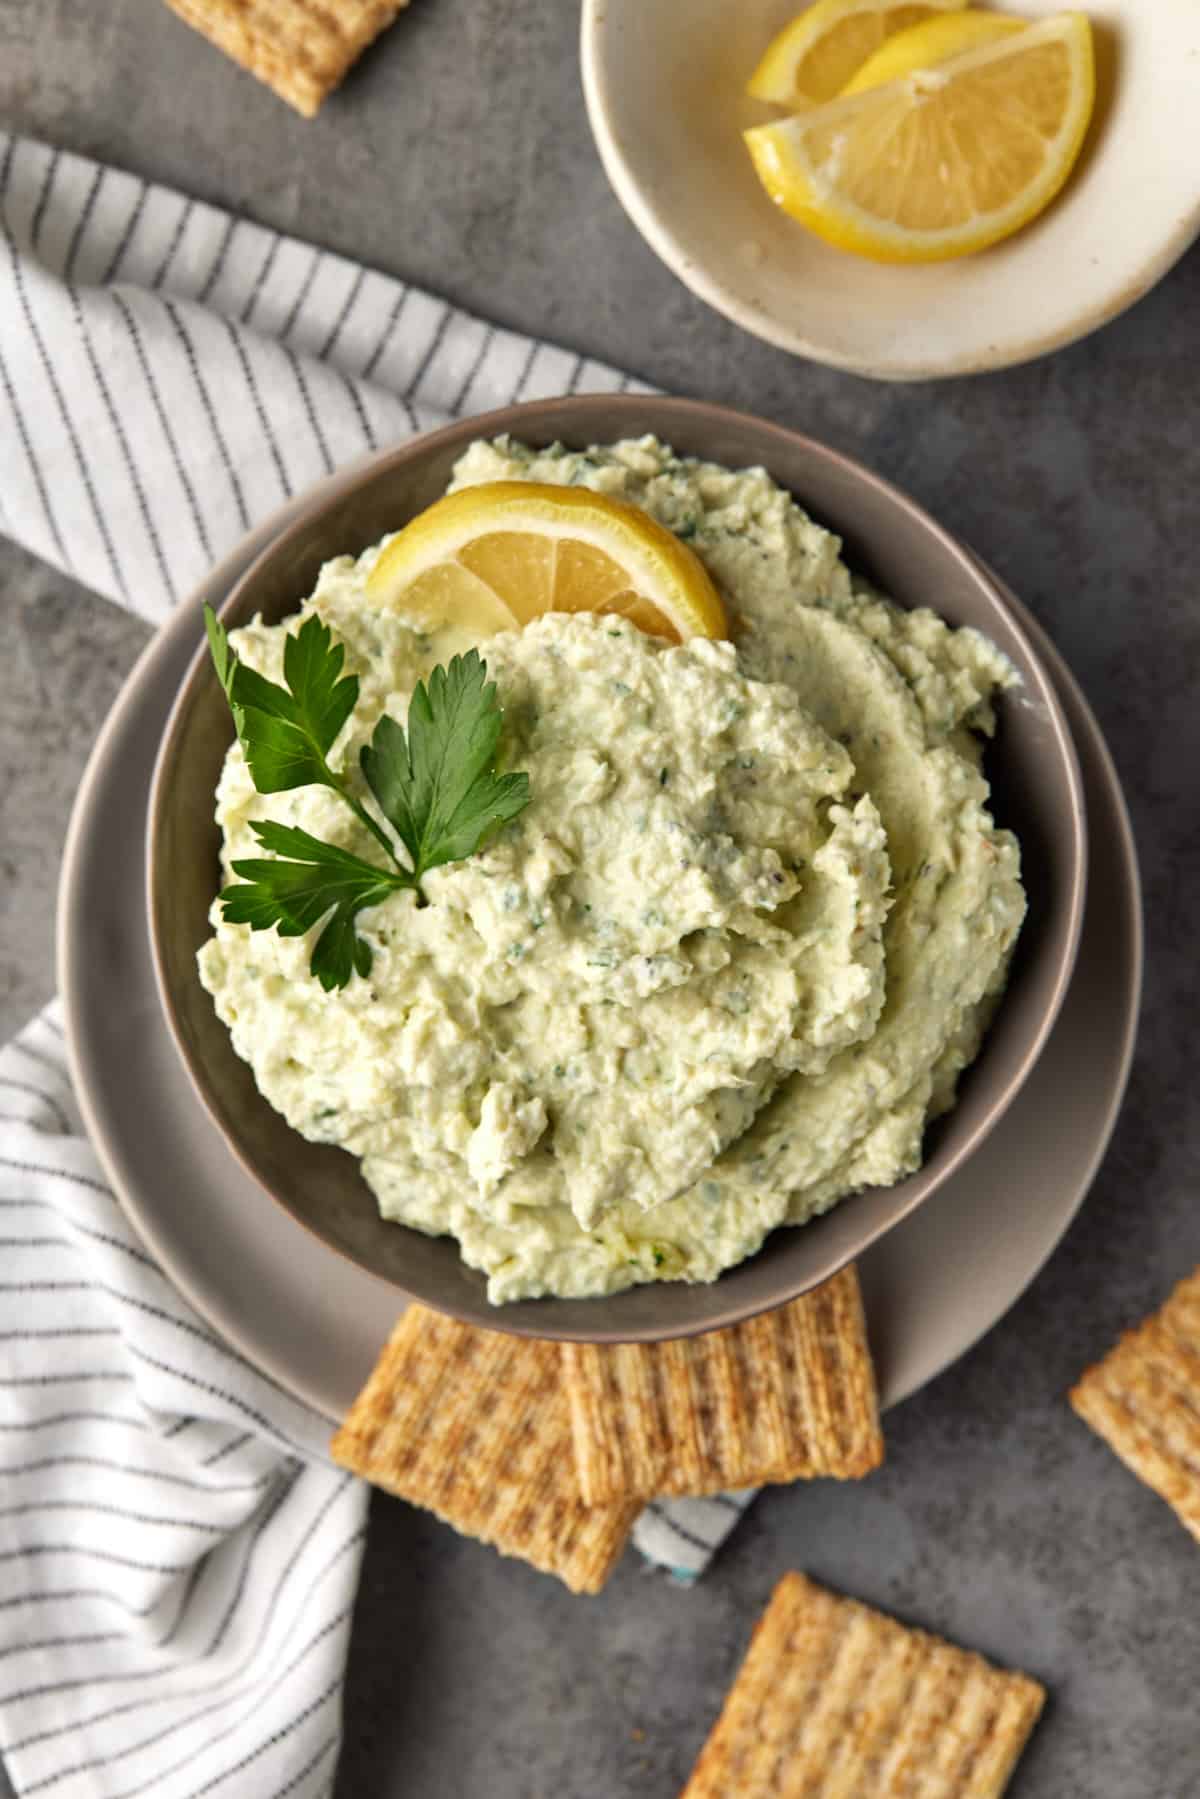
<point>725,966</point>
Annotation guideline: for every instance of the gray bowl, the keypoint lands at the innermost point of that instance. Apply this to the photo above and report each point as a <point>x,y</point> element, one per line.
<point>1036,792</point>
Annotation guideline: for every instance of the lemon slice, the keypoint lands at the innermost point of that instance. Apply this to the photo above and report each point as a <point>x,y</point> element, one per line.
<point>940,160</point>
<point>929,44</point>
<point>492,557</point>
<point>812,59</point>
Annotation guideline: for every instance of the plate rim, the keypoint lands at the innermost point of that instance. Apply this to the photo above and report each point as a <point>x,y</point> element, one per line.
<point>1135,948</point>
<point>158,1239</point>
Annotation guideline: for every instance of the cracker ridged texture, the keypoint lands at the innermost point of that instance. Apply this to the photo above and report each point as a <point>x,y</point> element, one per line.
<point>785,1396</point>
<point>300,48</point>
<point>474,1425</point>
<point>1144,1400</point>
<point>837,1701</point>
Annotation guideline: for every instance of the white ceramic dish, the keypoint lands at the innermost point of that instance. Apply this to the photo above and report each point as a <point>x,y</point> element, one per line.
<point>314,1321</point>
<point>664,87</point>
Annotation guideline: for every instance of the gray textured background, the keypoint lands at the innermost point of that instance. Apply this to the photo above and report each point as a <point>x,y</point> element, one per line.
<point>458,155</point>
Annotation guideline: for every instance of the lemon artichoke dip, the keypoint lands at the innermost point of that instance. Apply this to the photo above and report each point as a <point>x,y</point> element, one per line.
<point>728,962</point>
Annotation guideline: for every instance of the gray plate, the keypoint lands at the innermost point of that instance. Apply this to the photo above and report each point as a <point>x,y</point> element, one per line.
<point>315,1322</point>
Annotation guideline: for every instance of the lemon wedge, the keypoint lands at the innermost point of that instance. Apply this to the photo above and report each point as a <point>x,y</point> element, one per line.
<point>492,557</point>
<point>941,159</point>
<point>933,42</point>
<point>812,59</point>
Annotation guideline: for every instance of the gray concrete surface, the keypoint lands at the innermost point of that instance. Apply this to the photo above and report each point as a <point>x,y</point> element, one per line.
<point>458,155</point>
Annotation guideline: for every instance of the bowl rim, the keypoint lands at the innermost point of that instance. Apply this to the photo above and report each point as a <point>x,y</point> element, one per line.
<point>698,277</point>
<point>507,420</point>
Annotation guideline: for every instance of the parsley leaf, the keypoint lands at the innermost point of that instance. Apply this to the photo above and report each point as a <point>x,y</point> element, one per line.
<point>437,786</point>
<point>287,731</point>
<point>224,660</point>
<point>298,885</point>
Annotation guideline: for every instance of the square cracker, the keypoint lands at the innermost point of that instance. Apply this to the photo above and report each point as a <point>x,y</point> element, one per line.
<point>474,1425</point>
<point>1144,1400</point>
<point>837,1701</point>
<point>301,48</point>
<point>782,1397</point>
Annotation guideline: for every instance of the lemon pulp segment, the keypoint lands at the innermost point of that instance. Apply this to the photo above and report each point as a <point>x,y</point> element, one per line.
<point>931,43</point>
<point>813,57</point>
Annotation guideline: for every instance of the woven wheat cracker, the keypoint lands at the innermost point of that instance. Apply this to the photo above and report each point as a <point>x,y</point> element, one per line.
<point>1144,1400</point>
<point>782,1397</point>
<point>299,48</point>
<point>474,1425</point>
<point>837,1701</point>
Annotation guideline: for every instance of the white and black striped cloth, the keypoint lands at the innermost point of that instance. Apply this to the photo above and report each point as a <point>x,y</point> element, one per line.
<point>177,1557</point>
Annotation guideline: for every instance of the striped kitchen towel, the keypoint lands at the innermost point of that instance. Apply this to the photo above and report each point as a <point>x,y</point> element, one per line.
<point>177,1557</point>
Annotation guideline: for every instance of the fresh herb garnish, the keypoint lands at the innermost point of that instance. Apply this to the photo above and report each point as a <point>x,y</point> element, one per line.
<point>297,886</point>
<point>438,787</point>
<point>435,784</point>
